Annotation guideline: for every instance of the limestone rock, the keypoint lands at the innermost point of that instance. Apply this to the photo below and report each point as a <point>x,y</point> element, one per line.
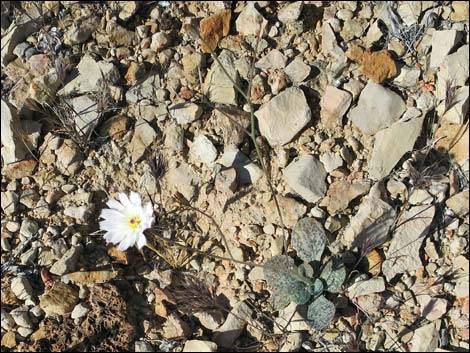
<point>199,346</point>
<point>184,180</point>
<point>297,71</point>
<point>233,326</point>
<point>307,177</point>
<point>185,113</point>
<point>92,77</point>
<point>377,109</point>
<point>250,21</point>
<point>454,138</point>
<point>69,157</point>
<point>442,44</point>
<point>144,136</point>
<point>341,193</point>
<point>13,148</point>
<point>217,85</point>
<point>459,203</point>
<point>426,338</point>
<point>85,114</point>
<point>273,60</point>
<point>81,29</point>
<point>68,262</point>
<point>284,116</point>
<point>247,171</point>
<point>403,253</point>
<point>334,104</point>
<point>391,144</point>
<point>371,224</point>
<point>145,88</point>
<point>175,327</point>
<point>203,150</point>
<point>291,12</point>
<point>374,285</point>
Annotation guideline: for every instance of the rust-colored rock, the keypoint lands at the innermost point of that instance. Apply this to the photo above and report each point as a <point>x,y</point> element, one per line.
<point>115,127</point>
<point>214,28</point>
<point>20,169</point>
<point>378,66</point>
<point>119,256</point>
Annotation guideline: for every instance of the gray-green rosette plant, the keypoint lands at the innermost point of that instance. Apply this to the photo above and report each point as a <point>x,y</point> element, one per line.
<point>307,283</point>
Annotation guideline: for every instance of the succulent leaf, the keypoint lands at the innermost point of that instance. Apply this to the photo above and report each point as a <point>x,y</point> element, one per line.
<point>309,239</point>
<point>334,274</point>
<point>320,312</point>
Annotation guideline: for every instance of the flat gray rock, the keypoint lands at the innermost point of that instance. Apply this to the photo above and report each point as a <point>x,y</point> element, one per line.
<point>391,144</point>
<point>403,253</point>
<point>284,116</point>
<point>92,77</point>
<point>218,86</point>
<point>306,176</point>
<point>13,149</point>
<point>145,88</point>
<point>378,108</point>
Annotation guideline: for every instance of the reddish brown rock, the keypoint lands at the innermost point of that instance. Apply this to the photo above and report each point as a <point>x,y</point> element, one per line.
<point>378,66</point>
<point>114,127</point>
<point>213,29</point>
<point>20,169</point>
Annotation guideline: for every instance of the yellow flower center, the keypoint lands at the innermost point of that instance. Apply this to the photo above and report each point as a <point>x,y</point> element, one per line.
<point>133,222</point>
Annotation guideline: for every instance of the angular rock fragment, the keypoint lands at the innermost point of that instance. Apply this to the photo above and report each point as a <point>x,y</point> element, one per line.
<point>307,177</point>
<point>412,228</point>
<point>378,108</point>
<point>284,116</point>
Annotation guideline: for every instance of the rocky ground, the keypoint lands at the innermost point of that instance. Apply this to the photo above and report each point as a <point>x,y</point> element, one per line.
<point>361,113</point>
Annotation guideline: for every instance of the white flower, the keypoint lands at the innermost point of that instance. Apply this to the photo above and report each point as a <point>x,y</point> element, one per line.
<point>125,221</point>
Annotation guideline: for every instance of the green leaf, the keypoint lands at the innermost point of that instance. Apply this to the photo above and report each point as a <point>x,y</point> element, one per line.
<point>320,313</point>
<point>280,273</point>
<point>301,293</point>
<point>305,270</point>
<point>309,239</point>
<point>334,275</point>
<point>318,287</point>
<point>280,301</point>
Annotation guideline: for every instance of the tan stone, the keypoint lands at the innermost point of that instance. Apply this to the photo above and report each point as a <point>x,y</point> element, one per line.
<point>454,140</point>
<point>9,339</point>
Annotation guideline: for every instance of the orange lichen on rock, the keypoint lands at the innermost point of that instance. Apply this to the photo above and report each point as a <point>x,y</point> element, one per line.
<point>213,29</point>
<point>378,66</point>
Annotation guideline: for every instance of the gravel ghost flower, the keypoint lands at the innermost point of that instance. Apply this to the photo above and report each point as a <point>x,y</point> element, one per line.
<point>125,221</point>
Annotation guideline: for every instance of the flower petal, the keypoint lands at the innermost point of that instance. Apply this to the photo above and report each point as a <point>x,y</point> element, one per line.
<point>148,210</point>
<point>112,203</point>
<point>141,240</point>
<point>124,200</point>
<point>116,237</point>
<point>135,199</point>
<point>110,214</point>
<point>127,242</point>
